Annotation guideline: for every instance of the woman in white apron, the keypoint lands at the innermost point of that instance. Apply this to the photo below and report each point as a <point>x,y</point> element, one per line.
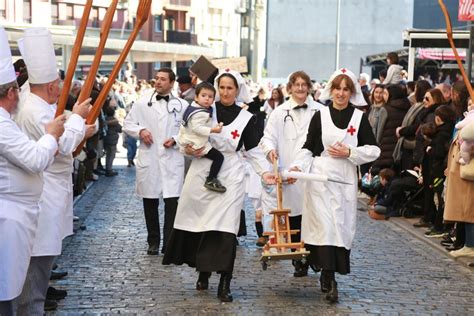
<point>339,139</point>
<point>206,223</point>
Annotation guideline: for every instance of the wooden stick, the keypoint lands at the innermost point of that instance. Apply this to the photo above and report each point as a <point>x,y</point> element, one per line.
<point>76,50</point>
<point>449,33</point>
<point>142,15</point>
<point>104,34</point>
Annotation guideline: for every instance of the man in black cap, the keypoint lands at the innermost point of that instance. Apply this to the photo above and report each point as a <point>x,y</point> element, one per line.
<point>186,89</point>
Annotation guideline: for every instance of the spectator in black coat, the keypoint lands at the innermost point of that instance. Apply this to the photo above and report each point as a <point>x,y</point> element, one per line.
<point>396,105</point>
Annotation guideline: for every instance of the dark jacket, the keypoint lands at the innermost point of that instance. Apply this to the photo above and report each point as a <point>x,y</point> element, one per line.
<point>396,110</point>
<point>425,116</point>
<point>113,131</point>
<point>440,148</point>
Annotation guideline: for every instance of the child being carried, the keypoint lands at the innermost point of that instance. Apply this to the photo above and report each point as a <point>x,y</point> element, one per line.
<point>196,128</point>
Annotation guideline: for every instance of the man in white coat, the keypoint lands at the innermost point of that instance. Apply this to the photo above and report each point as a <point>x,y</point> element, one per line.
<point>155,120</point>
<point>56,217</point>
<point>22,162</point>
<point>284,135</point>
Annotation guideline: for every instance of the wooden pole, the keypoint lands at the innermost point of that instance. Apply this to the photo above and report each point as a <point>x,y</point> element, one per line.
<point>73,61</point>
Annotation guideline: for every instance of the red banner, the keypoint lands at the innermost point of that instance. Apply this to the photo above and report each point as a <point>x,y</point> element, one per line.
<point>466,10</point>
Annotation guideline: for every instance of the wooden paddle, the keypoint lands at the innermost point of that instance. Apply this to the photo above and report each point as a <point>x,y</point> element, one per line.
<point>449,33</point>
<point>104,34</point>
<point>143,11</point>
<point>71,68</point>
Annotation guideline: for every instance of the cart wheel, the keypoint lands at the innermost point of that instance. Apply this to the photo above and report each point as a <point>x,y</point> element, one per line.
<point>264,265</point>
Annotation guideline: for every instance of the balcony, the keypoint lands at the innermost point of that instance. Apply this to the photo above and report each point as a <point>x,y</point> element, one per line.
<point>181,37</point>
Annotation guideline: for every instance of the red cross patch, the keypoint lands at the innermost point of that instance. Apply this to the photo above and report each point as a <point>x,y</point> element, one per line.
<point>351,130</point>
<point>343,70</point>
<point>235,134</point>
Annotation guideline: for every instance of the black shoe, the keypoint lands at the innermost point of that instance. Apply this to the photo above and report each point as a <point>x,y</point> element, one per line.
<point>152,250</point>
<point>55,294</point>
<point>110,173</point>
<point>214,185</point>
<point>453,247</point>
<point>99,172</point>
<point>223,290</point>
<point>301,270</point>
<point>333,295</point>
<point>56,275</point>
<point>50,305</point>
<point>446,243</point>
<point>55,266</point>
<point>203,281</point>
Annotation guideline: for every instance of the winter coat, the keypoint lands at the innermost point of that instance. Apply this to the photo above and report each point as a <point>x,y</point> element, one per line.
<point>425,116</point>
<point>439,149</point>
<point>396,110</point>
<point>459,201</point>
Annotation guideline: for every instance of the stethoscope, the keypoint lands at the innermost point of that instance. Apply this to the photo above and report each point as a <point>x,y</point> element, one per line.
<point>171,106</point>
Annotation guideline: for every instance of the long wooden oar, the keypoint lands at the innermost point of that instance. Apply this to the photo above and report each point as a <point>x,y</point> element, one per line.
<point>73,61</point>
<point>104,34</point>
<point>143,11</point>
<point>449,33</point>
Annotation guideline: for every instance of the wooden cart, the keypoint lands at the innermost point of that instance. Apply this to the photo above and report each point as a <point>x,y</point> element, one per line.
<point>279,245</point>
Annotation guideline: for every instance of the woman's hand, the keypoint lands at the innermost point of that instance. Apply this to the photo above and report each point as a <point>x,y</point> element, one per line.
<point>269,178</point>
<point>189,150</point>
<point>339,150</point>
<point>292,180</point>
<point>397,131</point>
<point>272,156</point>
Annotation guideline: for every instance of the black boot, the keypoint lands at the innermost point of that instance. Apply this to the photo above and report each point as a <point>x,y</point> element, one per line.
<point>332,296</point>
<point>325,282</point>
<point>203,281</point>
<point>301,269</point>
<point>223,291</point>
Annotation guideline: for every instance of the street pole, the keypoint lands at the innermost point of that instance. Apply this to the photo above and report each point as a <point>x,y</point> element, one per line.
<point>338,22</point>
<point>469,51</point>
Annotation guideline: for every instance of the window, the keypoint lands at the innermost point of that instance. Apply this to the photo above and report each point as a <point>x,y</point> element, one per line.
<point>69,12</point>
<point>157,65</point>
<point>158,23</point>
<point>27,11</point>
<point>192,25</point>
<point>54,13</point>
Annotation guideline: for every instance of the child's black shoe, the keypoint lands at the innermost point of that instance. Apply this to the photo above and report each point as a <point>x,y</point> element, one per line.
<point>214,185</point>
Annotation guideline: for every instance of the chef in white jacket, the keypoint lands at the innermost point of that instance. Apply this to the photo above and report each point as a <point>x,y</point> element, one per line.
<point>22,162</point>
<point>284,134</point>
<point>339,139</point>
<point>56,217</point>
<point>155,120</point>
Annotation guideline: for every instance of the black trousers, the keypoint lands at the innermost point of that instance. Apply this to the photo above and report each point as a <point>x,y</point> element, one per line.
<point>153,222</point>
<point>429,207</point>
<point>217,161</point>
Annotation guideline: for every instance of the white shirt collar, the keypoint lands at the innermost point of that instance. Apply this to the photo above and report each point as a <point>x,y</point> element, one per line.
<point>4,113</point>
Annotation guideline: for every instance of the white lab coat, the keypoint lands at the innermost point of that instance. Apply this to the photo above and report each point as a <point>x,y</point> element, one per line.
<point>285,132</point>
<point>201,210</point>
<point>56,215</point>
<point>160,170</point>
<point>329,211</point>
<point>21,164</point>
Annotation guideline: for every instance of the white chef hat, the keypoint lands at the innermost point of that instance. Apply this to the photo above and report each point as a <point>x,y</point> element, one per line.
<point>7,72</point>
<point>357,97</point>
<point>243,90</point>
<point>37,50</point>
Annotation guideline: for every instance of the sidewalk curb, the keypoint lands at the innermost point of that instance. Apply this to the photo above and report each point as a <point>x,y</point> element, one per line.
<point>406,224</point>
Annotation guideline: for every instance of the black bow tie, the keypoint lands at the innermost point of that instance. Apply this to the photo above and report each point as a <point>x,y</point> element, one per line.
<point>302,106</point>
<point>162,97</point>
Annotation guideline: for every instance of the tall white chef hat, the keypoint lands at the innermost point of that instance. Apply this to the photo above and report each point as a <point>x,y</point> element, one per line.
<point>7,72</point>
<point>243,90</point>
<point>357,97</point>
<point>37,50</point>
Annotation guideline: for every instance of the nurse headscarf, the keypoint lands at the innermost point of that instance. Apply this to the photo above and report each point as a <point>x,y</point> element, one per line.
<point>357,98</point>
<point>243,93</point>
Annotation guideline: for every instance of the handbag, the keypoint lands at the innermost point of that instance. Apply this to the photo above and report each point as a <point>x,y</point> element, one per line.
<point>242,225</point>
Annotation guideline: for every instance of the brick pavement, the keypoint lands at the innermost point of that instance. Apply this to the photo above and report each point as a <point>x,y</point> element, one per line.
<point>109,271</point>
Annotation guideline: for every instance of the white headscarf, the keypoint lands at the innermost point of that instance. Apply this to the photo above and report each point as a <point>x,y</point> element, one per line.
<point>356,99</point>
<point>243,93</point>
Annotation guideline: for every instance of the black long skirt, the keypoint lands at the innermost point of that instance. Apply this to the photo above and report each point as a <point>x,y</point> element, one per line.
<point>211,251</point>
<point>330,258</point>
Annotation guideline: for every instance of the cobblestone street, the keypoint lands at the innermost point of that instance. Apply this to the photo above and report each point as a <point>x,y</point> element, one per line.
<point>109,271</point>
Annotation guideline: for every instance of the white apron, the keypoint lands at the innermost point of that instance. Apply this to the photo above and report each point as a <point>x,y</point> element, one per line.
<point>329,212</point>
<point>200,209</point>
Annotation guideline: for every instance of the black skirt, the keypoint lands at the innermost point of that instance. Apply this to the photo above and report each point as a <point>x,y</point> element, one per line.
<point>330,258</point>
<point>211,251</point>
